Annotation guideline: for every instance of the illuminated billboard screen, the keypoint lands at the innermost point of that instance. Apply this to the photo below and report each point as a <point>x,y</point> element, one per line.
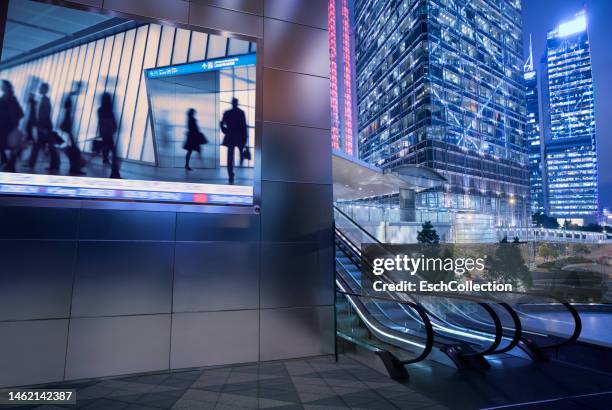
<point>113,108</point>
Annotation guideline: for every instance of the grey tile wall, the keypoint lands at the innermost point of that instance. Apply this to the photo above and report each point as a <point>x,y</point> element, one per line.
<point>296,99</point>
<point>101,224</point>
<point>280,38</point>
<point>296,332</point>
<point>296,186</point>
<point>32,352</point>
<point>38,223</point>
<point>291,276</point>
<point>217,227</point>
<point>223,19</point>
<point>105,346</point>
<point>308,12</point>
<point>234,339</point>
<point>92,3</point>
<point>295,154</point>
<point>176,11</point>
<point>246,6</point>
<point>123,278</point>
<point>152,290</point>
<point>216,276</point>
<point>36,279</point>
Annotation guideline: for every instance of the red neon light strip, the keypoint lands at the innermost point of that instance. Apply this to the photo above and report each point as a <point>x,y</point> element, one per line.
<point>331,25</point>
<point>348,99</point>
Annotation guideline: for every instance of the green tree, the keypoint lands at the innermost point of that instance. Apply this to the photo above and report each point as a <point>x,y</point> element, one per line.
<point>580,248</point>
<point>542,220</point>
<point>592,228</point>
<point>547,251</point>
<point>508,266</point>
<point>428,234</point>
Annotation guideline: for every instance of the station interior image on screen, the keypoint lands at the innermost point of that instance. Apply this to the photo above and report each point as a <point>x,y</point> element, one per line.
<point>106,106</point>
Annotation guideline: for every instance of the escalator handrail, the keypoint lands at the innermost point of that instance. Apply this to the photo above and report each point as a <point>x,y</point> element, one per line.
<point>429,342</point>
<point>388,299</point>
<point>361,228</point>
<point>498,337</point>
<point>518,328</point>
<point>572,310</point>
<point>577,321</point>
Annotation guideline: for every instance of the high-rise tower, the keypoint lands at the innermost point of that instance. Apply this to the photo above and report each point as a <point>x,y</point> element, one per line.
<point>532,134</point>
<point>570,139</point>
<point>440,84</point>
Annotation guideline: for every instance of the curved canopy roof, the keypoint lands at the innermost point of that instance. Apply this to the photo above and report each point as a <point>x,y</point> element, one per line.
<point>355,179</point>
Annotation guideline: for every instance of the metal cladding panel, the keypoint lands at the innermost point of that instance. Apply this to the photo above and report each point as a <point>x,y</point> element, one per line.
<point>36,279</point>
<point>32,352</point>
<point>176,11</point>
<point>312,57</point>
<point>296,332</point>
<point>126,225</point>
<point>227,20</point>
<point>106,346</point>
<point>214,338</point>
<point>291,275</point>
<point>295,154</point>
<point>296,99</point>
<point>216,276</point>
<point>308,12</point>
<point>123,278</point>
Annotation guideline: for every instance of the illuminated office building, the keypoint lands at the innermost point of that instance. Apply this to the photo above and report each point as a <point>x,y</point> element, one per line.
<point>532,134</point>
<point>341,39</point>
<point>570,140</point>
<point>440,84</point>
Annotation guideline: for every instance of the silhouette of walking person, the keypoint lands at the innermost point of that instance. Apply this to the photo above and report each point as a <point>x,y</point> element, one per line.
<point>195,137</point>
<point>10,115</point>
<point>44,130</point>
<point>30,124</point>
<point>107,127</point>
<point>72,151</point>
<point>233,125</point>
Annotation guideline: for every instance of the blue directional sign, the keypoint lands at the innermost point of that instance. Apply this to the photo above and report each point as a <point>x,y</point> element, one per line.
<point>201,66</point>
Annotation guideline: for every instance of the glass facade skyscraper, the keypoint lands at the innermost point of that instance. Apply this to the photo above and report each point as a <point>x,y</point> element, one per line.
<point>532,133</point>
<point>341,39</point>
<point>571,146</point>
<point>440,84</point>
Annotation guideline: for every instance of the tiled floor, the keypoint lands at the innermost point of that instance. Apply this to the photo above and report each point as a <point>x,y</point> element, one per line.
<point>318,383</point>
<point>321,383</point>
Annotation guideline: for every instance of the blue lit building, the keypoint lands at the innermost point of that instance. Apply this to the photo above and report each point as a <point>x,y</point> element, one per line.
<point>440,84</point>
<point>532,134</point>
<point>570,138</point>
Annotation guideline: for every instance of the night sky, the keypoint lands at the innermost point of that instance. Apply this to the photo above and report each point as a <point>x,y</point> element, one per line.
<point>539,16</point>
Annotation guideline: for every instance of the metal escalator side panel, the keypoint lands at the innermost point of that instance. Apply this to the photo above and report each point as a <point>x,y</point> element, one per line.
<point>387,334</point>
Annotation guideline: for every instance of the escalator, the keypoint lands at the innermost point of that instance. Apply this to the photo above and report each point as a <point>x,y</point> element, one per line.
<point>466,329</point>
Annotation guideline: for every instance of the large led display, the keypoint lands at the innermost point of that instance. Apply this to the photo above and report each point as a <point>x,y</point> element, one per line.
<point>106,107</point>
